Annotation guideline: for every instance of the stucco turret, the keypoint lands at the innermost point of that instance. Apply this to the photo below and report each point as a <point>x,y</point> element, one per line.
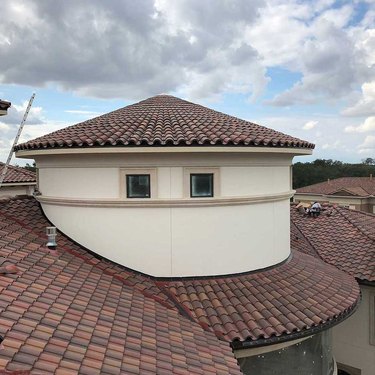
<point>170,188</point>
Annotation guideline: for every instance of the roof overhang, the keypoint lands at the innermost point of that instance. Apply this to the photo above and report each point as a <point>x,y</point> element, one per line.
<point>4,107</point>
<point>160,150</point>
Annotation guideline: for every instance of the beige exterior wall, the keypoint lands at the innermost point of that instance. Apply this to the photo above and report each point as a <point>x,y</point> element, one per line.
<point>13,190</point>
<point>352,338</point>
<point>244,227</point>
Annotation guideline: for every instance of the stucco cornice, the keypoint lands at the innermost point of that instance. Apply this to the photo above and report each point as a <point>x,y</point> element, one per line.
<point>160,150</point>
<point>188,202</point>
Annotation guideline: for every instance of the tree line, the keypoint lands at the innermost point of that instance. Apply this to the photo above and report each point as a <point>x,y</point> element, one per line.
<point>320,170</point>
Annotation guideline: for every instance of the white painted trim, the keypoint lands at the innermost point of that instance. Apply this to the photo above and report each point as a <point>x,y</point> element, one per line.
<point>162,149</point>
<point>221,201</point>
<point>3,112</point>
<point>250,352</point>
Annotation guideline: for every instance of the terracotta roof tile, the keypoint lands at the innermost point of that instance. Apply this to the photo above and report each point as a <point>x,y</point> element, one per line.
<point>164,120</point>
<point>17,174</point>
<point>341,237</point>
<point>359,186</point>
<point>93,314</point>
<point>59,311</point>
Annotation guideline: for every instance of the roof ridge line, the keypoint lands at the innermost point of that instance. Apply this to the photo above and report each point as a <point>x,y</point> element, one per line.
<point>354,223</point>
<point>307,240</point>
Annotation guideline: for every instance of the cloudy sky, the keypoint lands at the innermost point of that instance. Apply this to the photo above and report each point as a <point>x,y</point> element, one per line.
<point>306,68</point>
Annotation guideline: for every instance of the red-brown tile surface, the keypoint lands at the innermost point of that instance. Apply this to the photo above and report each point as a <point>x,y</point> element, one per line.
<point>299,294</point>
<point>359,186</point>
<point>341,237</point>
<point>168,121</point>
<point>73,313</point>
<point>17,174</point>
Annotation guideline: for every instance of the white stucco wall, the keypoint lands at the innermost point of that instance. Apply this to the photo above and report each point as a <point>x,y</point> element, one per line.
<point>11,191</point>
<point>177,239</point>
<point>351,338</point>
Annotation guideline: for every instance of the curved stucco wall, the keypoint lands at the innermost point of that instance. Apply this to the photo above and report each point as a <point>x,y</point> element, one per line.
<point>84,197</point>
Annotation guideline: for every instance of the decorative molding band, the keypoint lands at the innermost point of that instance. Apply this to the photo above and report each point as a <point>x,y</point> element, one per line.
<point>159,150</point>
<point>18,184</point>
<point>188,202</point>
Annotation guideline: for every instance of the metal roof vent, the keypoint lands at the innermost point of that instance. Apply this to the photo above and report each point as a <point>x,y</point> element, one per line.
<point>51,234</point>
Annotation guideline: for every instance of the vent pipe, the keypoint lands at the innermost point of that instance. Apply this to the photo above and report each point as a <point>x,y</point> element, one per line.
<point>51,234</point>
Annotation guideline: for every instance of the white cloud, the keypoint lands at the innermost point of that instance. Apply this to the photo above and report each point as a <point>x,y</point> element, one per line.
<point>337,144</point>
<point>132,49</point>
<point>367,126</point>
<point>368,143</point>
<point>333,56</point>
<point>81,112</point>
<point>310,125</point>
<point>365,105</point>
<point>4,127</point>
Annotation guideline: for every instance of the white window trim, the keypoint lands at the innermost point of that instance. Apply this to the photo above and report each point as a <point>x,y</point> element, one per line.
<point>131,171</point>
<point>191,170</point>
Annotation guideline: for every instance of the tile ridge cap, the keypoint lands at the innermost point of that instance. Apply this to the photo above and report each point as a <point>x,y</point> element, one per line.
<point>306,239</point>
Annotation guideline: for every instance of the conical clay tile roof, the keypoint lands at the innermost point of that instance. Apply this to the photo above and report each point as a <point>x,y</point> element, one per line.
<point>165,120</point>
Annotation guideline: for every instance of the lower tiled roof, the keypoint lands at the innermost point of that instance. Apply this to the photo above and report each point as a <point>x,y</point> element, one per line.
<point>72,313</point>
<point>17,175</point>
<point>75,312</point>
<point>341,237</point>
<point>293,297</point>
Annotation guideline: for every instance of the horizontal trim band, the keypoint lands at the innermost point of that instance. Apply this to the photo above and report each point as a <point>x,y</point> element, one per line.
<point>18,184</point>
<point>158,150</point>
<point>189,202</point>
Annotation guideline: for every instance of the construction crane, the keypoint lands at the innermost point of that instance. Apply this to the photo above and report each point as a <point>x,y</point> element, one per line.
<point>4,171</point>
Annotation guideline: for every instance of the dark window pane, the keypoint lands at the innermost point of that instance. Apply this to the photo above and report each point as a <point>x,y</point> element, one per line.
<point>138,186</point>
<point>201,185</point>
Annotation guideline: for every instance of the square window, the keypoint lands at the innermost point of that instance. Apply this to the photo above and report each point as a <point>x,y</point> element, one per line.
<point>138,186</point>
<point>201,185</point>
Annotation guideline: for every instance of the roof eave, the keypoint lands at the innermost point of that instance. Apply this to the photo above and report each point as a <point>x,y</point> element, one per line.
<point>150,149</point>
<point>247,344</point>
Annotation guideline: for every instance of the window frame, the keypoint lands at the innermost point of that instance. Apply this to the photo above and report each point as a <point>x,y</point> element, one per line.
<point>123,191</point>
<point>127,182</point>
<point>215,171</point>
<point>212,183</point>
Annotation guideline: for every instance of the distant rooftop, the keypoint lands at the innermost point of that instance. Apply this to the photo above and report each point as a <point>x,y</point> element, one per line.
<point>165,120</point>
<point>358,186</point>
<point>4,105</point>
<point>342,237</point>
<point>17,175</point>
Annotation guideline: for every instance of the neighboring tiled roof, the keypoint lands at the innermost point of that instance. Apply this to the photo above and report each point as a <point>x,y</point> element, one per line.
<point>341,237</point>
<point>78,314</point>
<point>360,186</point>
<point>62,312</point>
<point>4,105</point>
<point>165,120</point>
<point>17,174</point>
